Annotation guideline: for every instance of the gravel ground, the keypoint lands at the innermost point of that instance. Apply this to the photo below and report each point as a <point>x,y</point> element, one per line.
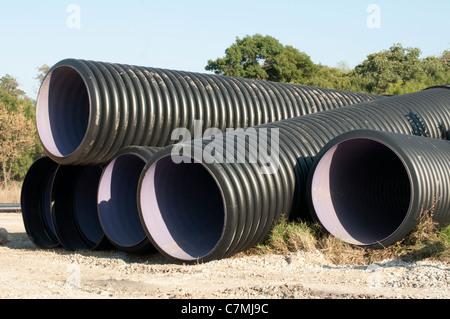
<point>31,273</point>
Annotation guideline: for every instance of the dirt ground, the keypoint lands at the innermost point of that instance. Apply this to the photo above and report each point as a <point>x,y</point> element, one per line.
<point>31,273</point>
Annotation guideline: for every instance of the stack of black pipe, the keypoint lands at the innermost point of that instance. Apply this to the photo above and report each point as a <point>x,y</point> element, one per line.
<point>114,177</point>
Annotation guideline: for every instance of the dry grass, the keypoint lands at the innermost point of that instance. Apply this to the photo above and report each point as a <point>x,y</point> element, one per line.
<point>427,240</point>
<point>340,252</point>
<point>287,237</point>
<point>11,194</point>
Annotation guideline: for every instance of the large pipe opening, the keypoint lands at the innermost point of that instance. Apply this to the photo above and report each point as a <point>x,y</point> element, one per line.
<point>117,201</point>
<point>35,200</point>
<point>86,204</point>
<point>74,212</point>
<point>47,205</point>
<point>62,111</point>
<point>361,191</point>
<point>182,208</point>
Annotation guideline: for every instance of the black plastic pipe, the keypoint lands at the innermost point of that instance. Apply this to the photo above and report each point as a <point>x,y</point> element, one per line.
<point>117,200</point>
<point>371,188</point>
<point>35,200</point>
<point>74,213</point>
<point>88,111</point>
<point>205,210</point>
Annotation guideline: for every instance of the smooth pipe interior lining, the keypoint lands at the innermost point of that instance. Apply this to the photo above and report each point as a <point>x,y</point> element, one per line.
<point>47,205</point>
<point>361,191</point>
<point>62,111</point>
<point>86,204</point>
<point>36,203</point>
<point>182,208</point>
<point>117,201</point>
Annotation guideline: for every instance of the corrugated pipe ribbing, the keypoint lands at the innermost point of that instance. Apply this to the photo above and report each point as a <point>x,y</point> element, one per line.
<point>212,198</point>
<point>88,111</point>
<point>371,188</point>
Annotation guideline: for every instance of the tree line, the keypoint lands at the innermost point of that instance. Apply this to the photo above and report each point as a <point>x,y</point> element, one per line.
<point>19,142</point>
<point>393,71</point>
<point>396,70</point>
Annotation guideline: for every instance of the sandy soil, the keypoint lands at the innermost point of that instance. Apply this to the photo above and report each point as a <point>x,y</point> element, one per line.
<point>32,273</point>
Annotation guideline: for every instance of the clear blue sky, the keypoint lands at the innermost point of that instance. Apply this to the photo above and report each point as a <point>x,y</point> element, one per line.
<point>184,35</point>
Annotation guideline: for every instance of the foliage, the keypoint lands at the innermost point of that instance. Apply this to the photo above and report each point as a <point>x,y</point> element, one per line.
<point>42,72</point>
<point>333,78</point>
<point>263,58</point>
<point>19,142</point>
<point>401,70</point>
<point>16,138</point>
<point>395,71</point>
<point>290,237</point>
<point>9,85</point>
<point>426,241</point>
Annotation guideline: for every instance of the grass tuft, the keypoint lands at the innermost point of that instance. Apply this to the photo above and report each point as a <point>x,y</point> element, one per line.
<point>426,241</point>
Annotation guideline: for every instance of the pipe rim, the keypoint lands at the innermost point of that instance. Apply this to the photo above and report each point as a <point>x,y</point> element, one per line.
<point>153,223</point>
<point>121,241</point>
<point>37,225</point>
<point>314,197</point>
<point>89,225</point>
<point>69,215</point>
<point>62,147</point>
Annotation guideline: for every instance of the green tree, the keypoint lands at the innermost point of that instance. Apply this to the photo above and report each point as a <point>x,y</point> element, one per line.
<point>16,138</point>
<point>333,78</point>
<point>16,109</point>
<point>401,70</point>
<point>15,99</point>
<point>10,85</point>
<point>394,71</point>
<point>42,72</point>
<point>263,58</point>
<point>446,56</point>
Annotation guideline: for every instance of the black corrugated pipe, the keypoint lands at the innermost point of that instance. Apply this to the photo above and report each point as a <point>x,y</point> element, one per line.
<point>211,208</point>
<point>87,111</point>
<point>36,203</point>
<point>117,200</point>
<point>74,213</point>
<point>371,188</point>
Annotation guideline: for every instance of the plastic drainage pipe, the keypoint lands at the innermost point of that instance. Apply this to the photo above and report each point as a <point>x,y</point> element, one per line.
<point>183,209</point>
<point>36,203</point>
<point>74,213</point>
<point>218,201</point>
<point>88,111</point>
<point>117,200</point>
<point>370,188</point>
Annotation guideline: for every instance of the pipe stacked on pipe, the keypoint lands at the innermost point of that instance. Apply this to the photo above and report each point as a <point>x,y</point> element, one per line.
<point>91,116</point>
<point>370,188</point>
<point>200,210</point>
<point>109,128</point>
